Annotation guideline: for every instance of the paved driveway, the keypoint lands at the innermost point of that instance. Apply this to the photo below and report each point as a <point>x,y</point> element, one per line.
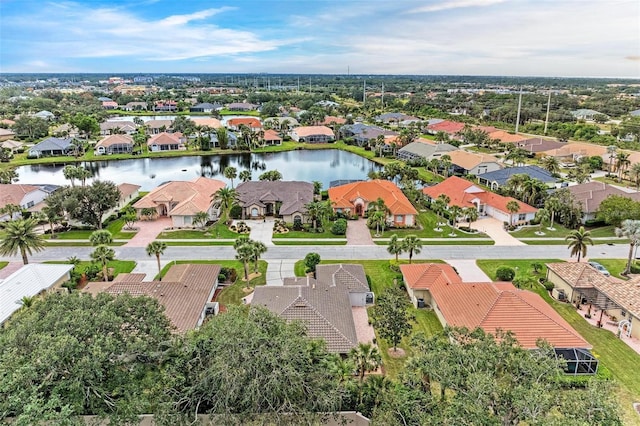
<point>358,234</point>
<point>261,230</point>
<point>495,229</point>
<point>469,271</point>
<point>148,231</point>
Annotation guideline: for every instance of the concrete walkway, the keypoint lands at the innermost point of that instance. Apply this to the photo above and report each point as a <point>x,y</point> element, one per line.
<point>148,231</point>
<point>277,269</point>
<point>495,229</point>
<point>261,230</point>
<point>469,271</point>
<point>358,233</point>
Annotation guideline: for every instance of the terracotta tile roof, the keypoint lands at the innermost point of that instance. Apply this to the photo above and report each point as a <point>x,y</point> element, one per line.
<point>468,160</point>
<point>493,307</point>
<point>446,126</point>
<point>500,202</point>
<point>486,129</point>
<point>343,196</point>
<point>271,135</point>
<point>252,123</point>
<point>214,123</point>
<point>191,196</point>
<point>506,137</point>
<point>578,149</point>
<point>578,274</point>
<point>423,276</point>
<point>624,293</point>
<point>156,124</point>
<point>115,139</point>
<point>13,193</point>
<point>165,138</point>
<point>305,131</point>
<point>592,194</point>
<point>184,291</point>
<point>331,119</point>
<point>6,132</point>
<point>127,189</point>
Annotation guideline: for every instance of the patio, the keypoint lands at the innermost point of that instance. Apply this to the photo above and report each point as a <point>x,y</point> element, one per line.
<point>608,324</point>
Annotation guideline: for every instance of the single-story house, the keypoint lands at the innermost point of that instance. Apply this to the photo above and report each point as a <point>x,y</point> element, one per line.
<point>395,117</point>
<point>452,128</point>
<point>45,115</point>
<point>52,147</point>
<point>212,123</point>
<point>328,305</point>
<point>115,144</point>
<point>539,145</point>
<point>117,127</point>
<point>506,137</point>
<point>25,196</point>
<point>498,178</point>
<point>271,137</point>
<point>242,106</point>
<point>182,200</point>
<point>167,142</point>
<point>109,105</point>
<point>586,114</point>
<point>65,130</point>
<point>331,120</point>
<point>591,194</point>
<point>494,306</point>
<point>186,292</point>
<point>281,123</point>
<point>6,134</point>
<point>128,193</point>
<point>136,106</point>
<point>205,107</point>
<point>356,198</point>
<point>251,122</point>
<point>154,127</point>
<point>275,198</point>
<point>12,145</point>
<point>423,149</point>
<point>463,193</point>
<point>363,133</point>
<point>313,134</point>
<point>165,106</point>
<point>573,151</point>
<point>29,281</point>
<point>471,163</point>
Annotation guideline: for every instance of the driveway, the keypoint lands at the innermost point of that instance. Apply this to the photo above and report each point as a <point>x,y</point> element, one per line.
<point>495,230</point>
<point>148,230</point>
<point>278,269</point>
<point>358,233</point>
<point>261,230</point>
<point>469,271</point>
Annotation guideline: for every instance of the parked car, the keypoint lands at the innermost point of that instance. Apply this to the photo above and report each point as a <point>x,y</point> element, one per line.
<point>598,267</point>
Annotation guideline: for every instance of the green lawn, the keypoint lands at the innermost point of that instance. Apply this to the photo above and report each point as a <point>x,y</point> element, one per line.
<point>309,243</point>
<point>616,266</point>
<point>561,232</point>
<point>115,227</point>
<point>232,294</point>
<point>215,231</point>
<point>614,354</point>
<point>524,268</point>
<point>427,221</point>
<point>170,243</point>
<point>326,226</point>
<point>118,266</point>
<point>452,241</point>
<point>3,264</point>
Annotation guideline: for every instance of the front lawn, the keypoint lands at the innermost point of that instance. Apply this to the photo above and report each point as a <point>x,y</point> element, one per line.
<point>616,266</point>
<point>3,264</point>
<point>427,221</point>
<point>118,266</point>
<point>216,231</point>
<point>115,227</point>
<point>614,354</point>
<point>561,232</point>
<point>326,228</point>
<point>522,267</point>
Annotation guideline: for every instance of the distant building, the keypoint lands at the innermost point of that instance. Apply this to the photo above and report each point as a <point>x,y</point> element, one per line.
<point>313,134</point>
<point>115,144</point>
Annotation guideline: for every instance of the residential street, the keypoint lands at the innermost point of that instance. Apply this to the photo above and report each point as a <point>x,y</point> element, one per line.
<point>340,252</point>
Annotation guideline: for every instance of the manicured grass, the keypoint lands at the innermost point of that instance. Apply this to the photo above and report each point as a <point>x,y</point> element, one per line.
<point>427,221</point>
<point>232,294</point>
<point>3,264</point>
<point>309,243</point>
<point>561,232</point>
<point>68,243</point>
<point>543,242</point>
<point>451,242</point>
<point>197,243</point>
<point>326,226</point>
<point>215,231</point>
<point>524,268</point>
<point>614,354</point>
<point>118,266</point>
<point>616,266</point>
<point>115,227</point>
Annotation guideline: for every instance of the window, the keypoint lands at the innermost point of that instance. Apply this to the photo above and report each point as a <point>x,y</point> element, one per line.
<point>623,313</point>
<point>399,218</point>
<point>522,216</point>
<point>30,204</point>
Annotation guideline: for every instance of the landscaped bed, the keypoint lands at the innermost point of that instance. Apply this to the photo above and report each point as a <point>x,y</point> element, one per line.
<point>428,222</point>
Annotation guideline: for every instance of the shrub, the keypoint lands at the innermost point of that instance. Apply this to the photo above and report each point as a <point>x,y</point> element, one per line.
<point>297,224</point>
<point>229,273</point>
<point>548,285</point>
<point>92,270</point>
<point>339,227</point>
<point>222,278</point>
<point>235,212</point>
<point>505,273</point>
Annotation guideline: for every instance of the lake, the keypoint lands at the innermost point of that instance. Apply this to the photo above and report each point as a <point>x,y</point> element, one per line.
<point>306,165</point>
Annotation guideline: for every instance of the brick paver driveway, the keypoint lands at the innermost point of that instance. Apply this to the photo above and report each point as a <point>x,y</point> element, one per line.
<point>358,234</point>
<point>148,231</point>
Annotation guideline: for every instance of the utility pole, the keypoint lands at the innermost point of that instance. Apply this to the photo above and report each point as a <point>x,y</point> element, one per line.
<point>519,106</point>
<point>364,92</point>
<point>546,120</point>
<point>298,84</point>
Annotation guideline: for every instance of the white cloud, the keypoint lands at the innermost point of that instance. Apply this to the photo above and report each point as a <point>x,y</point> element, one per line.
<point>455,4</point>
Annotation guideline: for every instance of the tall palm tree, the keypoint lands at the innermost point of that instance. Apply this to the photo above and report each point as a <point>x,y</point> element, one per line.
<point>622,162</point>
<point>542,215</point>
<point>513,207</point>
<point>395,246</point>
<point>19,236</point>
<point>454,214</point>
<point>550,164</point>
<point>471,214</point>
<point>440,205</point>
<point>245,254</point>
<point>245,175</point>
<point>230,173</point>
<point>226,197</point>
<point>258,250</point>
<point>156,248</point>
<point>611,150</point>
<point>412,244</point>
<point>366,357</point>
<point>54,216</point>
<point>631,230</point>
<point>101,236</point>
<point>578,241</point>
<point>634,172</point>
<point>103,255</point>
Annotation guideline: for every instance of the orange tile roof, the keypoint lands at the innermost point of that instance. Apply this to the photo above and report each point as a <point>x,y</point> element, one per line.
<point>214,123</point>
<point>507,137</point>
<point>578,148</point>
<point>343,196</point>
<point>304,131</point>
<point>127,189</point>
<point>331,119</point>
<point>165,138</point>
<point>253,123</point>
<point>271,135</point>
<point>468,160</point>
<point>422,276</point>
<point>191,196</point>
<point>446,126</point>
<point>14,193</point>
<point>115,139</point>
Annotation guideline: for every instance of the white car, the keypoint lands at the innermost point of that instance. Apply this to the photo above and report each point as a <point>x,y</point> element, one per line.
<point>598,267</point>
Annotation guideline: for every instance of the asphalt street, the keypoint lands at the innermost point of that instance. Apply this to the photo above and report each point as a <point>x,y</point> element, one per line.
<point>339,252</point>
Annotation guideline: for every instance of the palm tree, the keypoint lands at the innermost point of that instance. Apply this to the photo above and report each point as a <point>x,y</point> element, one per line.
<point>395,246</point>
<point>622,162</point>
<point>316,211</point>
<point>550,164</point>
<point>19,236</point>
<point>230,173</point>
<point>156,248</point>
<point>631,230</point>
<point>245,254</point>
<point>53,217</point>
<point>245,175</point>
<point>553,205</point>
<point>100,237</point>
<point>611,150</point>
<point>578,241</point>
<point>542,216</point>
<point>412,244</point>
<point>70,174</point>
<point>471,214</point>
<point>454,214</point>
<point>201,218</point>
<point>440,205</point>
<point>258,250</point>
<point>513,207</point>
<point>366,357</point>
<point>103,255</point>
<point>635,174</point>
<point>226,197</point>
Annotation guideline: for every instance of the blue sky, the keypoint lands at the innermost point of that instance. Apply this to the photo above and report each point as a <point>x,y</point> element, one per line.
<point>598,38</point>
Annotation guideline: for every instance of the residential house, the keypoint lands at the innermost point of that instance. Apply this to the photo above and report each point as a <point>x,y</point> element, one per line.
<point>232,139</point>
<point>210,122</point>
<point>539,145</point>
<point>286,199</point>
<point>329,305</point>
<point>463,193</point>
<point>281,123</point>
<point>165,106</point>
<point>422,148</point>
<point>506,137</point>
<point>29,281</point>
<point>356,198</point>
<point>186,292</point>
<point>128,193</point>
<point>108,105</point>
<point>115,144</point>
<point>327,104</point>
<point>591,194</point>
<point>396,118</point>
<point>586,114</point>
<point>167,142</point>
<point>182,200</point>
<point>117,127</point>
<point>471,163</point>
<point>45,115</point>
<point>313,134</point>
<point>65,130</point>
<point>271,137</point>
<point>251,122</point>
<point>498,178</point>
<point>242,106</point>
<point>155,127</point>
<point>363,133</point>
<point>6,134</point>
<point>495,306</point>
<point>451,128</point>
<point>136,106</point>
<point>25,196</point>
<point>11,145</point>
<point>206,107</point>
<point>7,122</point>
<point>331,120</point>
<point>52,147</point>
<point>572,151</point>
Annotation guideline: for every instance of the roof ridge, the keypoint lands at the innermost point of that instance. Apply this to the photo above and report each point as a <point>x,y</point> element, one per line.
<point>493,305</point>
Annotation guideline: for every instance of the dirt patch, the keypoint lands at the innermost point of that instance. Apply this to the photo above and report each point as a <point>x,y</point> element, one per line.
<point>246,290</point>
<point>398,353</point>
<point>251,276</point>
<point>636,406</point>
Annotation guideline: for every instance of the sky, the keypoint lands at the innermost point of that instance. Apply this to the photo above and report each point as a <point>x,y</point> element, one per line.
<point>556,38</point>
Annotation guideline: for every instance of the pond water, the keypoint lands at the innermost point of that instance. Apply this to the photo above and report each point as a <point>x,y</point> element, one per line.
<point>321,165</point>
